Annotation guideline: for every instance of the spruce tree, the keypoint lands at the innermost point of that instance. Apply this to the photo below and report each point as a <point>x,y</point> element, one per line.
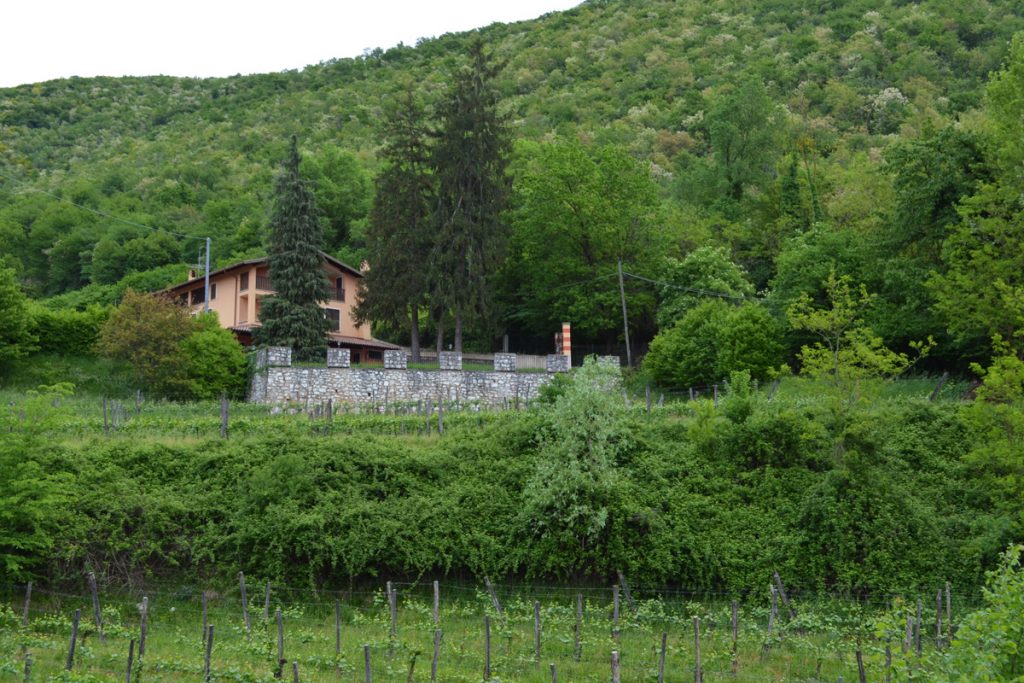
<point>399,235</point>
<point>293,316</point>
<point>469,160</point>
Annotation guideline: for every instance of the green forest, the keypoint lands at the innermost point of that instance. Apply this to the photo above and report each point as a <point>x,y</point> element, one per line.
<point>725,153</point>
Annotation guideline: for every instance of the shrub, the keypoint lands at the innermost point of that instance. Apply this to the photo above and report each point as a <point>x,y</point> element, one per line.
<point>66,331</point>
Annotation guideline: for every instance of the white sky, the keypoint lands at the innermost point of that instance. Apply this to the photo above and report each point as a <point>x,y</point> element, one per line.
<point>47,39</point>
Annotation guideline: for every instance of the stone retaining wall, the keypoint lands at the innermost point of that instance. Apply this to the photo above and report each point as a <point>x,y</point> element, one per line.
<point>377,385</point>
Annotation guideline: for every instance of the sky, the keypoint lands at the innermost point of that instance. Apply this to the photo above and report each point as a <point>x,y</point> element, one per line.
<point>48,39</point>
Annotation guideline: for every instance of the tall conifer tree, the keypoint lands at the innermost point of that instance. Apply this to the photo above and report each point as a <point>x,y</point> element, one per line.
<point>293,317</point>
<point>469,160</point>
<point>399,237</point>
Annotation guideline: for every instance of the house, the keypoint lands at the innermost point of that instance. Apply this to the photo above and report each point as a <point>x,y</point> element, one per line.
<point>237,291</point>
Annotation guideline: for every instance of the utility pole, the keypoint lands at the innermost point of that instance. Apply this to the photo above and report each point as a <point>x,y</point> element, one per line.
<point>206,296</point>
<point>625,318</point>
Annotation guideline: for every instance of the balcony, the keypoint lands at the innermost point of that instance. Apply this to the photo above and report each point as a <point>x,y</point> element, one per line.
<point>336,293</point>
<point>263,282</point>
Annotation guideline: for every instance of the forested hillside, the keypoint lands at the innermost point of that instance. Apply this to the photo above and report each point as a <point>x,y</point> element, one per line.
<point>854,138</point>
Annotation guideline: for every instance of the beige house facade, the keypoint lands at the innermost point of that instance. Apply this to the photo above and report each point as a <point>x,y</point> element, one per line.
<point>237,291</point>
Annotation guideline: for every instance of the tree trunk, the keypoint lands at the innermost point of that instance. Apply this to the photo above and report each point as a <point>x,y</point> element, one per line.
<point>414,331</point>
<point>458,332</point>
<point>440,335</point>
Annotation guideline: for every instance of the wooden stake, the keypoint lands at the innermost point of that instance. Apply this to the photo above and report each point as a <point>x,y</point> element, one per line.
<point>74,638</point>
<point>295,672</point>
<point>917,629</point>
<point>131,661</point>
<point>437,656</point>
<point>536,631</point>
<point>366,663</point>
<point>223,416</point>
<point>661,659</point>
<point>392,610</point>
<point>437,604</point>
<point>735,635</point>
<point>245,602</point>
<point>487,648</point>
<point>280,638</point>
<point>698,674</point>
<point>143,626</point>
<point>782,594</point>
<point>337,628</point>
<point>908,638</point>
<point>577,649</point>
<point>97,616</point>
<point>616,670</point>
<point>888,663</point>
<point>627,593</point>
<point>938,619</point>
<point>860,666</point>
<point>28,667</point>
<point>615,611</point>
<point>949,613</point>
<point>209,652</point>
<point>494,597</point>
<point>554,673</point>
<point>28,600</point>
<point>266,603</point>
<point>205,598</point>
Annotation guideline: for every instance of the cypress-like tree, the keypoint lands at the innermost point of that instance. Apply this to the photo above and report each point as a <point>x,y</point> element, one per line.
<point>399,237</point>
<point>469,160</point>
<point>293,316</point>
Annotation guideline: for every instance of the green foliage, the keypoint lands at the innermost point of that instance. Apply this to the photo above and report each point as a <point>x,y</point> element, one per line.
<point>67,331</point>
<point>214,362</point>
<point>293,317</point>
<point>16,338</point>
<point>848,351</point>
<point>343,192</point>
<point>713,340</point>
<point>988,642</point>
<point>578,211</point>
<point>704,272</point>
<point>570,497</point>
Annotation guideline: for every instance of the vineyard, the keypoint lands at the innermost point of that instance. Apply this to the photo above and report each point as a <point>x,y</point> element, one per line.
<point>400,633</point>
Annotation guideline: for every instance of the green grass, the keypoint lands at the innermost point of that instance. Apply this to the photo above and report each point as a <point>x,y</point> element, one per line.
<point>820,645</point>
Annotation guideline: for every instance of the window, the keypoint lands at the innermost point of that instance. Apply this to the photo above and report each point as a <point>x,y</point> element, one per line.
<point>198,296</point>
<point>243,282</point>
<point>339,289</point>
<point>213,291</point>
<point>334,316</point>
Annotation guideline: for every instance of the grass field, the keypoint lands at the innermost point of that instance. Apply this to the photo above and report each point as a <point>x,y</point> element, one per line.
<point>819,645</point>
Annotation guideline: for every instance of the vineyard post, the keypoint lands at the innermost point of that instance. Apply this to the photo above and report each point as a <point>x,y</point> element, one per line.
<point>337,628</point>
<point>647,395</point>
<point>437,604</point>
<point>949,613</point>
<point>205,598</point>
<point>661,659</point>
<point>440,417</point>
<point>908,638</point>
<point>28,601</point>
<point>295,672</point>
<point>616,673</point>
<point>698,674</point>
<point>861,673</point>
<point>97,615</point>
<point>392,610</point>
<point>74,637</point>
<point>626,592</point>
<point>487,648</point>
<point>280,641</point>
<point>888,663</point>
<point>735,636</point>
<point>131,660</point>
<point>209,652</point>
<point>437,655</point>
<point>782,594</point>
<point>143,625</point>
<point>577,650</point>
<point>716,395</point>
<point>366,664</point>
<point>245,602</point>
<point>536,631</point>
<point>494,597</point>
<point>554,673</point>
<point>615,611</point>
<point>28,667</point>
<point>266,603</point>
<point>106,425</point>
<point>917,629</point>
<point>223,416</point>
<point>938,619</point>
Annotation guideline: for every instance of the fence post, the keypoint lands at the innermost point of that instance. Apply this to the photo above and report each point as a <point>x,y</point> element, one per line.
<point>698,675</point>
<point>143,626</point>
<point>74,637</point>
<point>616,672</point>
<point>97,615</point>
<point>437,655</point>
<point>487,648</point>
<point>661,659</point>
<point>577,649</point>
<point>209,652</point>
<point>245,602</point>
<point>28,600</point>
